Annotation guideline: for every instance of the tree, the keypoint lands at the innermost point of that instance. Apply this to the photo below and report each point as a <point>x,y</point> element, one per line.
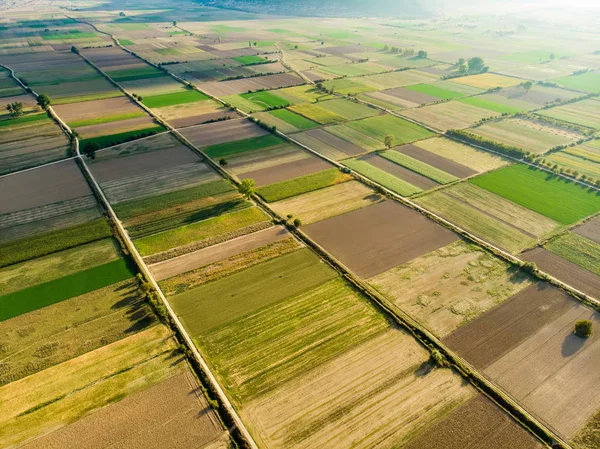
<point>461,61</point>
<point>476,64</point>
<point>389,141</point>
<point>297,222</point>
<point>246,188</point>
<point>74,50</point>
<point>462,69</point>
<point>90,149</point>
<point>386,47</point>
<point>527,85</point>
<point>552,56</point>
<point>122,14</point>
<point>174,23</point>
<point>222,162</point>
<point>583,328</point>
<point>422,54</point>
<point>15,109</point>
<point>44,101</point>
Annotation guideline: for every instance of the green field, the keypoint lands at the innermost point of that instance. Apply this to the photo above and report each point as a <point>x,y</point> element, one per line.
<point>116,139</point>
<point>277,342</point>
<point>348,109</point>
<point>554,197</point>
<point>578,250</point>
<point>435,91</point>
<point>133,208</point>
<point>302,184</point>
<point>293,119</point>
<point>347,86</point>
<point>419,167</point>
<point>172,99</point>
<point>107,119</point>
<point>379,176</point>
<point>379,127</point>
<point>242,146</point>
<point>585,113</point>
<point>250,59</point>
<point>50,242</point>
<point>90,97</point>
<point>28,120</point>
<point>265,99</point>
<point>490,105</point>
<point>76,284</point>
<point>199,231</point>
<point>317,113</point>
<point>225,300</point>
<point>589,81</point>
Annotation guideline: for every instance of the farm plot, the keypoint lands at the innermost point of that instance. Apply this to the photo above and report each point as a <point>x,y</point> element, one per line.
<point>221,132</point>
<point>529,135</point>
<point>439,162</point>
<point>391,246</point>
<point>452,114</point>
<point>265,100</point>
<point>300,94</point>
<point>528,347</point>
<point>397,170</point>
<point>395,79</point>
<point>302,184</point>
<point>583,159</point>
<point>327,202</point>
<point>578,250</point>
<point>196,113</point>
<point>96,112</point>
<point>489,216</point>
<point>183,418</point>
<point>448,287</point>
<point>174,99</point>
<point>266,82</point>
<point>360,69</point>
<point>590,230</point>
<point>61,394</point>
<point>588,82</point>
<point>327,144</point>
<point>370,133</point>
<point>349,110</point>
<point>68,329</point>
<point>585,113</point>
<point>487,102</point>
<point>534,98</point>
<point>29,141</point>
<point>317,113</point>
<point>463,155</point>
<point>348,86</point>
<point>418,166</point>
<point>540,192</point>
<point>285,120</point>
<point>487,81</point>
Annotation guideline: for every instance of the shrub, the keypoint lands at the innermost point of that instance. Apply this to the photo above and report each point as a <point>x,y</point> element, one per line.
<point>583,328</point>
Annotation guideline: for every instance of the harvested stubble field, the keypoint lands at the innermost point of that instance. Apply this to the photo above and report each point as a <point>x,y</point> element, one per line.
<point>585,113</point>
<point>190,114</point>
<point>195,232</point>
<point>447,288</point>
<point>327,202</point>
<point>384,175</point>
<point>343,237</point>
<point>465,155</point>
<point>528,347</point>
<point>452,114</point>
<point>418,166</point>
<point>394,79</point>
<point>327,144</point>
<point>384,162</point>
<point>302,184</point>
<point>541,192</point>
<point>46,337</point>
<point>302,164</point>
<point>529,135</point>
<point>565,270</point>
<point>316,112</point>
<point>584,158</point>
<point>268,82</point>
<point>489,216</point>
<point>182,417</point>
<point>259,161</point>
<point>478,423</point>
<point>221,132</point>
<point>442,163</point>
<point>60,395</point>
<point>487,81</point>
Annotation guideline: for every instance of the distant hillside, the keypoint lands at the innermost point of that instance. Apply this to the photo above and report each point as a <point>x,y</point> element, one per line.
<point>383,8</point>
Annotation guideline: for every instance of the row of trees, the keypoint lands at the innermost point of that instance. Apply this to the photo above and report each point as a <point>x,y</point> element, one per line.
<point>406,51</point>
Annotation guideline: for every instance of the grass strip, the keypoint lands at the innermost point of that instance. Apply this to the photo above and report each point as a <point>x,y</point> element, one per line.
<point>43,295</point>
<point>302,184</point>
<point>377,175</point>
<point>241,146</point>
<point>418,166</point>
<point>51,242</point>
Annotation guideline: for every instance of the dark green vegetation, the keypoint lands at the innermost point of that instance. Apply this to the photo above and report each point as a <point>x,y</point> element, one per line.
<point>116,139</point>
<point>583,328</point>
<point>547,194</point>
<point>187,96</point>
<point>250,60</point>
<point>107,119</point>
<point>76,284</point>
<point>53,241</point>
<point>265,99</point>
<point>302,184</point>
<point>23,121</point>
<point>241,146</point>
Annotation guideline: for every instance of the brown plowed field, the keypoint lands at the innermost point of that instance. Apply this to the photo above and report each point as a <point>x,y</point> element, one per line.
<point>93,109</point>
<point>174,411</point>
<point>221,132</point>
<point>590,230</point>
<point>376,238</point>
<point>340,144</point>
<point>202,118</point>
<point>458,170</point>
<point>398,171</point>
<point>527,346</point>
<point>46,185</point>
<point>287,171</point>
<point>221,251</point>
<point>566,271</point>
<point>140,164</point>
<point>268,82</point>
<point>476,424</point>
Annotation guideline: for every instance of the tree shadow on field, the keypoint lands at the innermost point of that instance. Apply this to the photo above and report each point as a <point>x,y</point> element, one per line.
<point>425,368</point>
<point>572,344</point>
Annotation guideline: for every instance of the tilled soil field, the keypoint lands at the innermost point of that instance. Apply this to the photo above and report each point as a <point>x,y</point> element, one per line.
<point>268,82</point>
<point>94,109</point>
<point>289,170</point>
<point>442,163</point>
<point>398,171</point>
<point>221,132</point>
<point>374,239</point>
<point>590,230</point>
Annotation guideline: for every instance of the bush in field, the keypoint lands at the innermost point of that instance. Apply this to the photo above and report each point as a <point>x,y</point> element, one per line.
<point>583,328</point>
<point>246,188</point>
<point>222,162</point>
<point>389,141</point>
<point>297,222</point>
<point>90,149</point>
<point>476,64</point>
<point>44,101</point>
<point>15,109</point>
<point>438,359</point>
<point>422,54</point>
<point>527,85</point>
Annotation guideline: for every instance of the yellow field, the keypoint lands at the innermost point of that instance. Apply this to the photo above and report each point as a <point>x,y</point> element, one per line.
<point>487,81</point>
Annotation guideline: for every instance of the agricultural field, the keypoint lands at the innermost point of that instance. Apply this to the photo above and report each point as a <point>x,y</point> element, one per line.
<point>586,82</point>
<point>526,134</point>
<point>584,113</point>
<point>327,144</point>
<point>487,81</point>
<point>450,115</point>
<point>583,159</point>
